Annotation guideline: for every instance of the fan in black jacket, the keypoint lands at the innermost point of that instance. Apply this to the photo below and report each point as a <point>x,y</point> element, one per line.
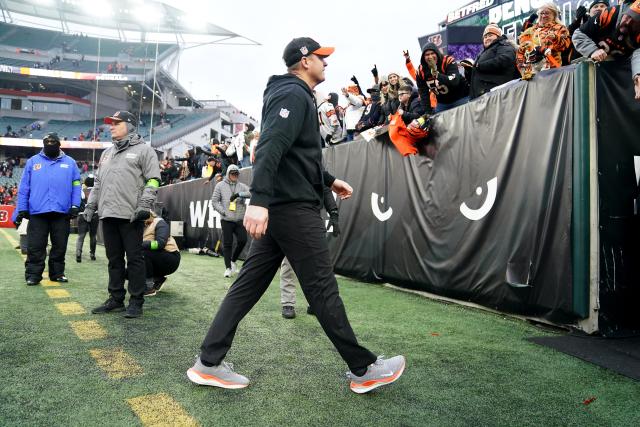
<point>410,106</point>
<point>442,78</point>
<point>495,65</point>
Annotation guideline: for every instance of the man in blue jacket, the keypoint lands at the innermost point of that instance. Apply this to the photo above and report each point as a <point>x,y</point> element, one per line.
<point>49,193</point>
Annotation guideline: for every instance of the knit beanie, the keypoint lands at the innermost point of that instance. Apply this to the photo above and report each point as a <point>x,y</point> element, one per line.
<point>493,29</point>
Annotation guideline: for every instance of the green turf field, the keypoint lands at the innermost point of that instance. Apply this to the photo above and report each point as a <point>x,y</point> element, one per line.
<point>464,366</point>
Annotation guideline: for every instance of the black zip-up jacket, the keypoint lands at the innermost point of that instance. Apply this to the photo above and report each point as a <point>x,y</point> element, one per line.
<point>413,109</point>
<point>288,165</point>
<point>496,65</point>
<point>371,116</point>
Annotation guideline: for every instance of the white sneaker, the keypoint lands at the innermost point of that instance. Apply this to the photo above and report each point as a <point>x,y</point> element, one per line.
<point>227,272</point>
<point>234,267</point>
<point>379,373</point>
<point>222,375</point>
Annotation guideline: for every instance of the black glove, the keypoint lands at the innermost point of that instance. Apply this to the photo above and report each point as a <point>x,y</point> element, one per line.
<point>374,70</point>
<point>532,19</point>
<point>73,212</point>
<point>581,12</point>
<point>234,196</point>
<point>141,214</point>
<point>354,80</point>
<point>537,54</point>
<point>21,215</point>
<point>334,222</point>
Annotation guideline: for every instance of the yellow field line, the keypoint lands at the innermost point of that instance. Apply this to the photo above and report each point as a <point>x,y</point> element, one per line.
<point>57,293</point>
<point>155,410</point>
<point>116,363</point>
<point>88,330</point>
<point>49,283</point>
<point>8,236</point>
<point>70,308</point>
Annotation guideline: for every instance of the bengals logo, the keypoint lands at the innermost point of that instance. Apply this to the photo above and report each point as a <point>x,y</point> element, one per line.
<point>436,39</point>
<point>37,166</point>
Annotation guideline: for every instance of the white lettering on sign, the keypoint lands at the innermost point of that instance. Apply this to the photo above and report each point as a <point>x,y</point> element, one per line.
<point>199,212</point>
<point>469,9</point>
<point>515,9</point>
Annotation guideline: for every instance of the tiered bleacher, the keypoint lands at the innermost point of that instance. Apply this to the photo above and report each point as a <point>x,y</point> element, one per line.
<point>171,127</point>
<point>45,49</point>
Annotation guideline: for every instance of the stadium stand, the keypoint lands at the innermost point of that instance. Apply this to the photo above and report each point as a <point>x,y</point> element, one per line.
<point>44,40</point>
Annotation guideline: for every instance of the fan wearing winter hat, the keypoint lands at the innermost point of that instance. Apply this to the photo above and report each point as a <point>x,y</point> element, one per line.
<point>541,45</point>
<point>496,63</point>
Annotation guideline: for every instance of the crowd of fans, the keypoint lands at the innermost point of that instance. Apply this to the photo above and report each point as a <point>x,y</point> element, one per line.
<point>8,194</point>
<point>212,160</point>
<point>440,82</point>
<point>117,68</point>
<point>26,131</point>
<point>86,167</point>
<point>8,191</point>
<point>6,166</point>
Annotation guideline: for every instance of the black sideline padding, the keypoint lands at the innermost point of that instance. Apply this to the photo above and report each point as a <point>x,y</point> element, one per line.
<point>621,355</point>
<point>618,145</point>
<point>517,258</point>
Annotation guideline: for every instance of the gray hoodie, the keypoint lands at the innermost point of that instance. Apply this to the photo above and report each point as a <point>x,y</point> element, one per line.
<point>120,185</point>
<point>221,197</point>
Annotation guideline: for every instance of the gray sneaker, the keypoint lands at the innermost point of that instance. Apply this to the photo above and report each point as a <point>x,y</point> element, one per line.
<point>381,372</point>
<point>221,375</point>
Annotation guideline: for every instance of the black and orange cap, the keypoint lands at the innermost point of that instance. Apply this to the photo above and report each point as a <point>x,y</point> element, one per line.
<point>300,47</point>
<point>121,116</point>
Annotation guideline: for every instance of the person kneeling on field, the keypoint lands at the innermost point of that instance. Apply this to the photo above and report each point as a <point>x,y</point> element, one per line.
<point>161,253</point>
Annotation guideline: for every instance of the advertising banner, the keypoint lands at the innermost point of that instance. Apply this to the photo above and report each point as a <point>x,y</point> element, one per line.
<point>6,211</point>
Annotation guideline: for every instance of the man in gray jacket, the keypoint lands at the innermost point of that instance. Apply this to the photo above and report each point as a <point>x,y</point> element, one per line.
<point>228,200</point>
<point>123,195</point>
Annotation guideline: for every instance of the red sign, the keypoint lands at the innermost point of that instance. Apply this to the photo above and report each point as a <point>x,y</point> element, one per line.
<point>6,211</point>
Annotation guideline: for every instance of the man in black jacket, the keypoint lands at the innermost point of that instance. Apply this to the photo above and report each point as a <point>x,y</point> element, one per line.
<point>439,74</point>
<point>495,65</point>
<point>284,219</point>
<point>372,112</point>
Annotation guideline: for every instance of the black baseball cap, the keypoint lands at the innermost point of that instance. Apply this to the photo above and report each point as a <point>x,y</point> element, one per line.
<point>121,116</point>
<point>301,47</point>
<point>374,89</point>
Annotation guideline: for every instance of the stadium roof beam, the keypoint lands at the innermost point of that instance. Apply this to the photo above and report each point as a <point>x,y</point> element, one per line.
<point>145,21</point>
<point>6,15</point>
